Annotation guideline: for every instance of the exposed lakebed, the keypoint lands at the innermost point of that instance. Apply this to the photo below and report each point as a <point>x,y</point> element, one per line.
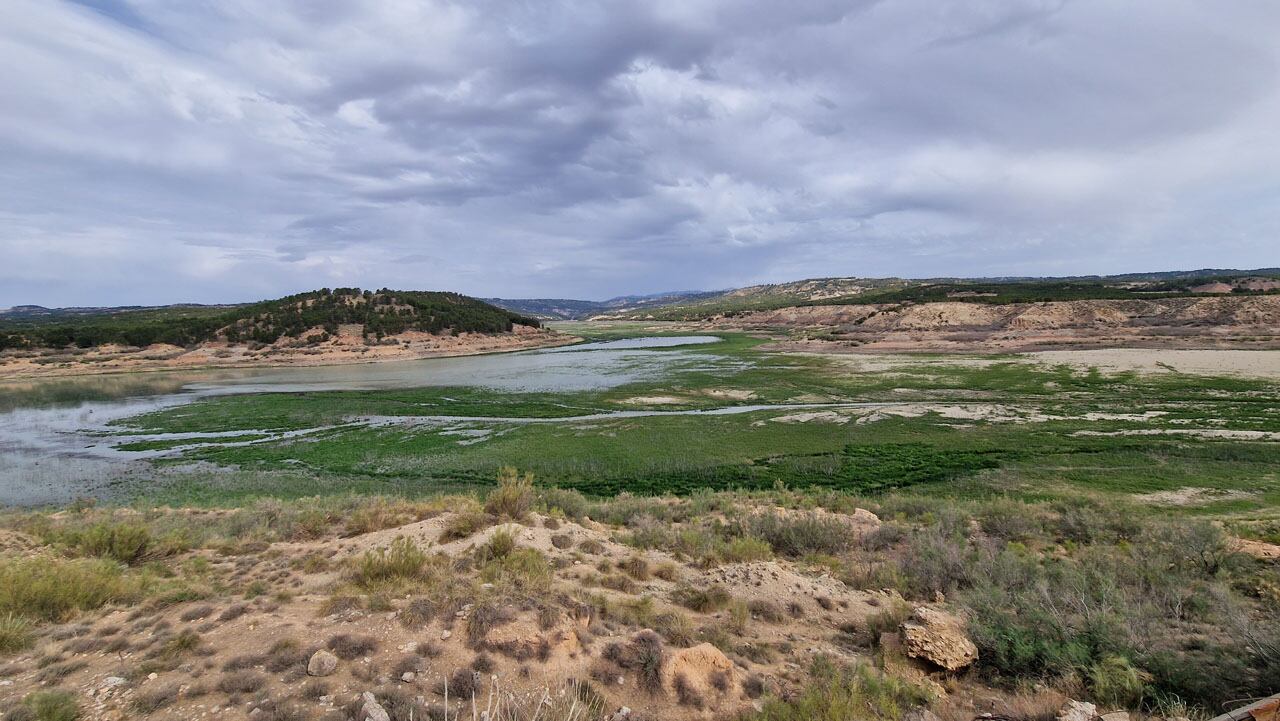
<point>60,439</point>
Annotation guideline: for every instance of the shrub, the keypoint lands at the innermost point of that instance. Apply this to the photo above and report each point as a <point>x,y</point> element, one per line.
<point>1116,683</point>
<point>838,693</point>
<point>765,611</point>
<point>702,600</point>
<point>51,589</point>
<point>686,694</point>
<point>125,543</point>
<point>524,571</point>
<point>644,655</point>
<point>485,617</point>
<point>402,560</point>
<point>462,684</point>
<point>742,550</point>
<point>513,498</point>
<point>636,567</point>
<point>795,535</point>
<point>150,700</point>
<point>241,682</point>
<point>54,705</point>
<point>348,647</point>
<point>500,545</point>
<point>464,525</point>
<point>569,502</point>
<point>15,633</point>
<point>418,613</point>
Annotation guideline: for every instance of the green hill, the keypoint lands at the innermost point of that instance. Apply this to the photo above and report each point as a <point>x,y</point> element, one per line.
<point>317,314</point>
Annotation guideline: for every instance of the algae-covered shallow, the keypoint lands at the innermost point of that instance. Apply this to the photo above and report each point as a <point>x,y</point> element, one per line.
<point>59,438</point>
<point>661,415</point>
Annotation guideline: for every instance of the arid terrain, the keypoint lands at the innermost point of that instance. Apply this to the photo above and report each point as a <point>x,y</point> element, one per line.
<point>1219,322</point>
<point>372,609</point>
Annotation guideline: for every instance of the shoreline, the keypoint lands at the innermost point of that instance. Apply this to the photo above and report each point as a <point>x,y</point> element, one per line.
<point>282,358</point>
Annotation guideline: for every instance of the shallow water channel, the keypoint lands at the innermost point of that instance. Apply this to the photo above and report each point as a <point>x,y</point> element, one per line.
<point>57,442</point>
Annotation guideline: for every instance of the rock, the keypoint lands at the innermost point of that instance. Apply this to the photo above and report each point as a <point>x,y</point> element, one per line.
<point>920,714</point>
<point>112,681</point>
<point>862,515</point>
<point>446,635</point>
<point>372,710</point>
<point>322,663</point>
<point>408,676</point>
<point>621,714</point>
<point>939,638</point>
<point>1078,711</point>
<point>1116,716</point>
<point>706,670</point>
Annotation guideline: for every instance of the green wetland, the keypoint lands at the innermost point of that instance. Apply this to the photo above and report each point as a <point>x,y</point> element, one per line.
<point>657,416</point>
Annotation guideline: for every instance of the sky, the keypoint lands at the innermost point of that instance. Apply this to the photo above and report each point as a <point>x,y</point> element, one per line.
<point>158,151</point>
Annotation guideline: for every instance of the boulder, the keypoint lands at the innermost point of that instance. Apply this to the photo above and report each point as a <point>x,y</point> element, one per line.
<point>322,663</point>
<point>920,714</point>
<point>1078,711</point>
<point>372,710</point>
<point>939,638</point>
<point>1116,716</point>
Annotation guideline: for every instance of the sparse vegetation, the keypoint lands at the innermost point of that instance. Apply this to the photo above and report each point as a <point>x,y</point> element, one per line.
<point>837,693</point>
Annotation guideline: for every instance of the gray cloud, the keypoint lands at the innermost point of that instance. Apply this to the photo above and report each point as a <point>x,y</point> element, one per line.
<point>158,151</point>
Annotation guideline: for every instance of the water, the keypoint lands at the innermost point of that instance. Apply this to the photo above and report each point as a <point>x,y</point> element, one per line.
<point>56,442</point>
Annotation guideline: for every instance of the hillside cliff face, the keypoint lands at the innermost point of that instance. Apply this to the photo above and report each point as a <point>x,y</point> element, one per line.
<point>1249,321</point>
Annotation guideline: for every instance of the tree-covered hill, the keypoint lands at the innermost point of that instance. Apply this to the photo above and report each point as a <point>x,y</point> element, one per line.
<point>315,315</point>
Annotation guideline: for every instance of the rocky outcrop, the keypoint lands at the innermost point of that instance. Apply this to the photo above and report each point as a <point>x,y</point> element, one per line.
<point>939,638</point>
<point>1078,711</point>
<point>322,663</point>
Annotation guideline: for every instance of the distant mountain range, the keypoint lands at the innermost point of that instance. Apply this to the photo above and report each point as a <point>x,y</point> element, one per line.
<point>567,309</point>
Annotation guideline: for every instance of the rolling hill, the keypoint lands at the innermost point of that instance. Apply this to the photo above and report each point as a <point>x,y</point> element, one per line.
<point>313,316</point>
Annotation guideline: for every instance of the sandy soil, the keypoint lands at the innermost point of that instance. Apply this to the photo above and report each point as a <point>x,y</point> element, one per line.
<point>102,658</point>
<point>1250,363</point>
<point>348,347</point>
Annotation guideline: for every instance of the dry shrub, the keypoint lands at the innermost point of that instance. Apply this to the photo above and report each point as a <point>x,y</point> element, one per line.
<point>241,682</point>
<point>644,655</point>
<point>514,496</point>
<point>636,567</point>
<point>348,647</point>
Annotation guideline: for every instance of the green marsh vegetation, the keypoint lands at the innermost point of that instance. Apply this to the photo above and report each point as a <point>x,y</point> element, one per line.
<point>1062,431</point>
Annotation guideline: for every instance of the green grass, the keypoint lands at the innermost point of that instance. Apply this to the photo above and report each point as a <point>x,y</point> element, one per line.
<point>931,454</point>
<point>50,589</point>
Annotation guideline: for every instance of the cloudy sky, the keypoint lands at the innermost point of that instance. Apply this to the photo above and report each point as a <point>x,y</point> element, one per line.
<point>154,151</point>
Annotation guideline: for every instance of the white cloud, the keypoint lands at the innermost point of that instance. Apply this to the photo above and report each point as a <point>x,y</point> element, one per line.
<point>162,151</point>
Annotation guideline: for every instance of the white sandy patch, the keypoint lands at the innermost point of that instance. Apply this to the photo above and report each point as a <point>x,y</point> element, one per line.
<point>1145,416</point>
<point>730,393</point>
<point>1189,496</point>
<point>814,417</point>
<point>993,412</point>
<point>1219,433</point>
<point>654,401</point>
<point>1251,363</point>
